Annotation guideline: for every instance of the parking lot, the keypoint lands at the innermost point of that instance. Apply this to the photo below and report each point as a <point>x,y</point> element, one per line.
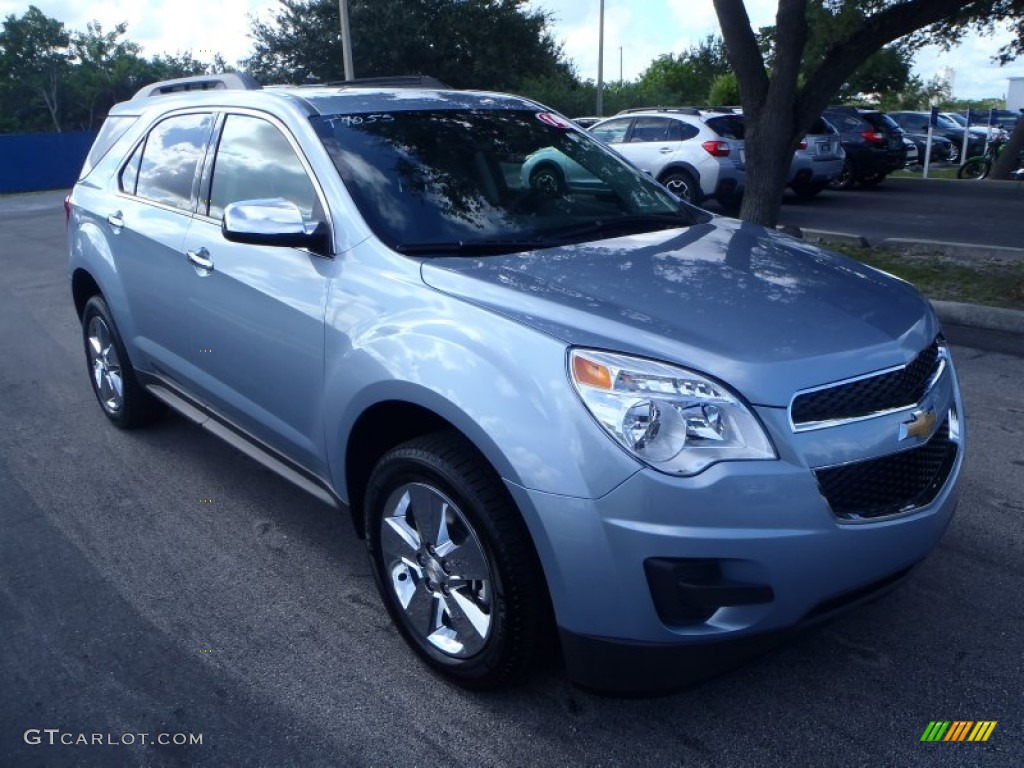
<point>160,583</point>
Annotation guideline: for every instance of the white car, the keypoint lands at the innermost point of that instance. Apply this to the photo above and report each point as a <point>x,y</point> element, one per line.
<point>696,155</point>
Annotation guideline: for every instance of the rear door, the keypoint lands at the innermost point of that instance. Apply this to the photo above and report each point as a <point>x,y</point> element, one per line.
<point>148,219</point>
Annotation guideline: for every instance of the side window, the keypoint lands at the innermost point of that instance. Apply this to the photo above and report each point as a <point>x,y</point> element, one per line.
<point>130,172</point>
<point>681,131</point>
<point>649,129</point>
<point>612,132</point>
<point>255,162</point>
<point>173,150</point>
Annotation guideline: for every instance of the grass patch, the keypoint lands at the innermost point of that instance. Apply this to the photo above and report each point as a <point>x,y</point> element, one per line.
<point>942,172</point>
<point>992,282</point>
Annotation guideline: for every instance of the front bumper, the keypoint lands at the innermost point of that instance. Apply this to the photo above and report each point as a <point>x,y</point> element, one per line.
<point>767,533</point>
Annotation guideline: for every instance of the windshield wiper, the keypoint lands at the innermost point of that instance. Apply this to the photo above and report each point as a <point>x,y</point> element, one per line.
<point>623,225</point>
<point>472,247</point>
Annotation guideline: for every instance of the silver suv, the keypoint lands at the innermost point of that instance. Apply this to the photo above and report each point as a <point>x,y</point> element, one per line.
<point>697,155</point>
<point>586,417</point>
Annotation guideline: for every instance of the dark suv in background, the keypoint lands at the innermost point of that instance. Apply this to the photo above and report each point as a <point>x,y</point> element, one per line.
<point>917,122</point>
<point>873,144</point>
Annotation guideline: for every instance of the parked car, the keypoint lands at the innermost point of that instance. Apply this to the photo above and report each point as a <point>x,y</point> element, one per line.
<point>917,122</point>
<point>818,160</point>
<point>912,154</point>
<point>873,144</point>
<point>586,122</point>
<point>660,438</point>
<point>1004,118</point>
<point>695,155</point>
<point>985,132</point>
<point>942,148</point>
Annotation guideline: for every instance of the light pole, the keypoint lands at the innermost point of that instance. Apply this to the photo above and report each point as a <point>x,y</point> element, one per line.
<point>346,39</point>
<point>600,64</point>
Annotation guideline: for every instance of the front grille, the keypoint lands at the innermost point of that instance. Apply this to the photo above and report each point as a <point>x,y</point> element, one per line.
<point>890,484</point>
<point>855,399</point>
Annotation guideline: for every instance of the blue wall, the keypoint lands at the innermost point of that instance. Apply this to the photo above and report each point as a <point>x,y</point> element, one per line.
<point>34,161</point>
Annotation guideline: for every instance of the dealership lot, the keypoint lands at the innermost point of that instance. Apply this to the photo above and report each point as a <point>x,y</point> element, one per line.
<point>160,583</point>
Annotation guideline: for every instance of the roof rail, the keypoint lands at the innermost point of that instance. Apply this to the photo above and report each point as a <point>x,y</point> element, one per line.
<point>395,81</point>
<point>226,81</point>
<point>677,110</point>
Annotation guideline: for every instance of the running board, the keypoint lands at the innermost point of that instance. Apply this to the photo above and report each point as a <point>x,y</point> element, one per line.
<point>243,443</point>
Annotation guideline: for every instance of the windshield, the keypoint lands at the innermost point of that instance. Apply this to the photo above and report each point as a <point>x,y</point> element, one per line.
<point>448,179</point>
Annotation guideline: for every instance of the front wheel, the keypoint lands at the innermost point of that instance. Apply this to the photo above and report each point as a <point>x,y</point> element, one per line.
<point>872,179</point>
<point>454,563</point>
<point>975,168</point>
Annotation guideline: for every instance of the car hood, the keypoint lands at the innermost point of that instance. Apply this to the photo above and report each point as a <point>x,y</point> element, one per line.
<point>764,312</point>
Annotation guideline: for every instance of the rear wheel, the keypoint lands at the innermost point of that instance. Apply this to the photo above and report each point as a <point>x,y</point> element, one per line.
<point>454,563</point>
<point>682,185</point>
<point>845,179</point>
<point>119,393</point>
<point>806,191</point>
<point>548,180</point>
<point>975,168</point>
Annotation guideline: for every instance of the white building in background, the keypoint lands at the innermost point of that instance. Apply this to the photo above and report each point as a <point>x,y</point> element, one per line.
<point>1015,94</point>
<point>948,74</point>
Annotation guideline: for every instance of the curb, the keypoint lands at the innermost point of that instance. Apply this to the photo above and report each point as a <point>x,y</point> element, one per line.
<point>949,312</point>
<point>963,250</point>
<point>978,316</point>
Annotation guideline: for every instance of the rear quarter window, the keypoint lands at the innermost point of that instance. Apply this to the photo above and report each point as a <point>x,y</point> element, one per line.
<point>114,127</point>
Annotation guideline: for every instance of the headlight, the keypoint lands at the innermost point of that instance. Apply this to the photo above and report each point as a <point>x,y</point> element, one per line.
<point>675,420</point>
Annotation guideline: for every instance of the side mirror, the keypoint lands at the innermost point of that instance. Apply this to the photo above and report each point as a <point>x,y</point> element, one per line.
<point>275,222</point>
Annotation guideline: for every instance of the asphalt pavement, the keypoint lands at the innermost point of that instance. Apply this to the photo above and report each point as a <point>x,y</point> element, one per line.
<point>160,583</point>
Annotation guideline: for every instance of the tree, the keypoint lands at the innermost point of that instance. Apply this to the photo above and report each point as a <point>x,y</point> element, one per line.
<point>106,69</point>
<point>685,78</point>
<point>493,44</point>
<point>34,59</point>
<point>782,94</point>
<point>725,90</point>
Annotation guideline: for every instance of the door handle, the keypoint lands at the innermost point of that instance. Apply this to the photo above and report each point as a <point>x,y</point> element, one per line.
<point>116,220</point>
<point>201,259</point>
<point>665,150</point>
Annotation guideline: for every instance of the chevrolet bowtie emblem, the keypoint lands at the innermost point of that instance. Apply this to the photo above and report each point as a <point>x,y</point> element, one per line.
<point>919,426</point>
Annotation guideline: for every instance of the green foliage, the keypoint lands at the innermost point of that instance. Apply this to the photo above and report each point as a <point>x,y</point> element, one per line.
<point>53,80</point>
<point>34,60</point>
<point>491,44</point>
<point>725,90</point>
<point>685,79</point>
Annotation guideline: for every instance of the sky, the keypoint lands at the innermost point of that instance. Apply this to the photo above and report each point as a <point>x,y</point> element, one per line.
<point>641,29</point>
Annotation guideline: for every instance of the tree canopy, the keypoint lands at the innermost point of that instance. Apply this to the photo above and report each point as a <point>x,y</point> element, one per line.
<point>494,44</point>
<point>818,45</point>
<point>53,79</point>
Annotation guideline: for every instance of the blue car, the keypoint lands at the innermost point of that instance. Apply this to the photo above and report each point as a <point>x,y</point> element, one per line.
<point>604,424</point>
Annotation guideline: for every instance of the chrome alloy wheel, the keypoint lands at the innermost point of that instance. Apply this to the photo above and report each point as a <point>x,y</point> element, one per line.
<point>107,377</point>
<point>437,570</point>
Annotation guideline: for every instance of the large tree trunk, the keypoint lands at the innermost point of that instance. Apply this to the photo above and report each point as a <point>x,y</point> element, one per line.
<point>777,110</point>
<point>1009,160</point>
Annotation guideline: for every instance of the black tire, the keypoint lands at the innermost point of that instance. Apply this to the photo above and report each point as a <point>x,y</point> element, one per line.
<point>682,185</point>
<point>872,179</point>
<point>975,168</point>
<point>548,180</point>
<point>806,191</point>
<point>845,179</point>
<point>122,398</point>
<point>472,603</point>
